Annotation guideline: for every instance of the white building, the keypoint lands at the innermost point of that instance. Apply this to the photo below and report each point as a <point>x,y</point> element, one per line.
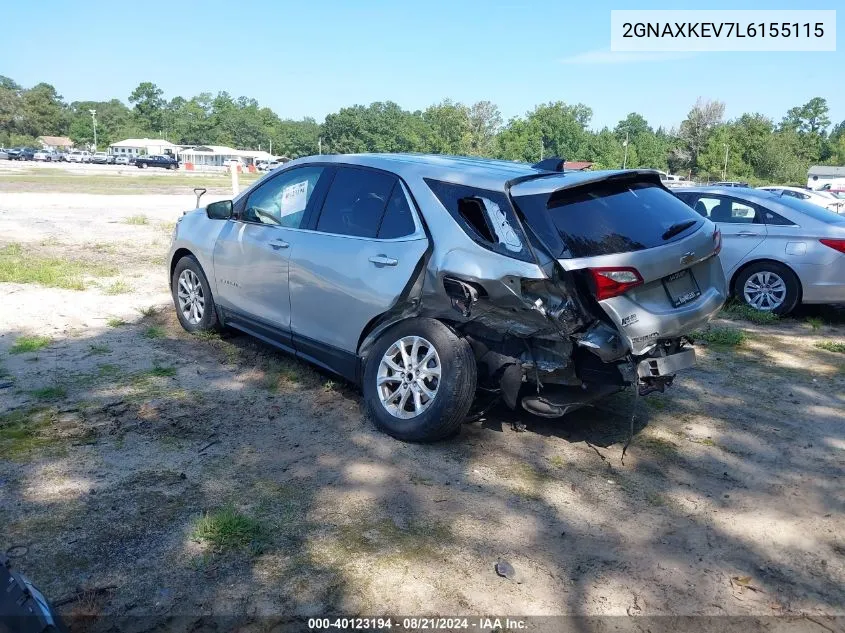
<point>142,146</point>
<point>220,156</point>
<point>820,175</point>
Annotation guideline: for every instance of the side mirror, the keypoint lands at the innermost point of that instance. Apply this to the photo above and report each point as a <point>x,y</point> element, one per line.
<point>219,210</point>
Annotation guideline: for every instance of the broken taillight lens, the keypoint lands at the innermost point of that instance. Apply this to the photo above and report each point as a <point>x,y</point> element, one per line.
<point>612,282</point>
<point>837,245</point>
<point>717,241</point>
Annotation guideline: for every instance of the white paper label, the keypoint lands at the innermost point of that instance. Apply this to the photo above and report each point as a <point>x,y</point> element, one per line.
<point>294,198</point>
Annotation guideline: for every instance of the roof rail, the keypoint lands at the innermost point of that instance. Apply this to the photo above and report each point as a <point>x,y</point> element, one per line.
<point>555,163</point>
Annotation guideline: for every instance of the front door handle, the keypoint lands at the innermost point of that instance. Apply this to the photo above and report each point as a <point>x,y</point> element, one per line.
<point>278,245</point>
<point>383,260</point>
<point>746,234</point>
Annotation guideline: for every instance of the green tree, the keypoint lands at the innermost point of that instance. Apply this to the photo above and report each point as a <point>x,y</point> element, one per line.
<point>449,128</point>
<point>42,111</point>
<point>485,121</point>
<point>696,128</point>
<point>149,102</point>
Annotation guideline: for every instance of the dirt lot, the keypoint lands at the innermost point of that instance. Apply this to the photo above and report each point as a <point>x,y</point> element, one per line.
<point>145,471</point>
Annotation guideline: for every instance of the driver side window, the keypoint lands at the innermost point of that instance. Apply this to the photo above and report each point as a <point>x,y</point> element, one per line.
<point>282,201</point>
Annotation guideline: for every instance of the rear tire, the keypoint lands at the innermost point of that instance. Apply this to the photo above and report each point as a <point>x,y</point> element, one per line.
<point>195,307</point>
<point>402,405</point>
<point>768,287</point>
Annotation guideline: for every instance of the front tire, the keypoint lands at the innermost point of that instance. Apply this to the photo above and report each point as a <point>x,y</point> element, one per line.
<point>419,381</point>
<point>192,297</point>
<point>768,287</point>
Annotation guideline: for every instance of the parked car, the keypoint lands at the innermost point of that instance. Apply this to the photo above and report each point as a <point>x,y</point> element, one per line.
<point>102,158</point>
<point>46,155</point>
<point>79,156</point>
<point>4,155</point>
<point>820,198</point>
<point>731,183</point>
<point>167,162</point>
<point>413,276</point>
<point>122,159</point>
<point>21,153</point>
<point>778,251</point>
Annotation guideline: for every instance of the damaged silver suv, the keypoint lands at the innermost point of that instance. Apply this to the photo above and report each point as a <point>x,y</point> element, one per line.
<point>426,278</point>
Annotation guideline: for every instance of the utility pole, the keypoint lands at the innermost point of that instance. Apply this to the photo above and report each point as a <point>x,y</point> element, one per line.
<point>542,148</point>
<point>625,145</point>
<point>725,170</point>
<point>94,119</point>
<point>271,147</point>
<point>320,145</point>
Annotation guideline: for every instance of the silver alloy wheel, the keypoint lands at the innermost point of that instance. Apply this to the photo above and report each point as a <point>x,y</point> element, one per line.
<point>191,297</point>
<point>408,377</point>
<point>765,290</point>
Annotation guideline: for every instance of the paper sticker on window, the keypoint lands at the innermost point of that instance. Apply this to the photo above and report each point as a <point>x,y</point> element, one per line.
<point>294,198</point>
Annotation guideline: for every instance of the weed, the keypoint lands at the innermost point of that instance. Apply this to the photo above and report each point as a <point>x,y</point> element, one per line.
<point>207,335</point>
<point>727,336</point>
<point>55,392</point>
<point>815,323</point>
<point>149,311</point>
<point>118,287</point>
<point>137,220</point>
<point>831,346</point>
<point>738,310</point>
<point>228,529</point>
<point>27,344</point>
<point>115,322</point>
<point>329,385</point>
<point>154,331</point>
<point>98,349</point>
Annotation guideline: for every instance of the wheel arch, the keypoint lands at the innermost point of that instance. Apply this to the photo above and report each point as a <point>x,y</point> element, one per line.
<point>178,254</point>
<point>765,260</point>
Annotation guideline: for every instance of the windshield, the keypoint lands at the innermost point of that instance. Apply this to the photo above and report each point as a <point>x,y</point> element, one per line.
<point>608,218</point>
<point>813,210</point>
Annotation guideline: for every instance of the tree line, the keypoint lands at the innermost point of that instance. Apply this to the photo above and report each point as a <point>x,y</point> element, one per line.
<point>755,147</point>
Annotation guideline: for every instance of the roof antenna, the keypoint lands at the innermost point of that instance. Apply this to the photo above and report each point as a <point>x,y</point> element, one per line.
<point>555,163</point>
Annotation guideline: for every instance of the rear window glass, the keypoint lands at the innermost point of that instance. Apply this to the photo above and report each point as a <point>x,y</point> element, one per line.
<point>612,217</point>
<point>814,211</point>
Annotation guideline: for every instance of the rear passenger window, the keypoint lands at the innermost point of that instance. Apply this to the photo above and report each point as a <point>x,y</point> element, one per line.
<point>486,216</point>
<point>356,202</point>
<point>397,221</point>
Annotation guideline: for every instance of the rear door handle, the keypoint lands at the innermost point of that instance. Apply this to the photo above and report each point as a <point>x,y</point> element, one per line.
<point>746,234</point>
<point>383,260</point>
<point>278,244</point>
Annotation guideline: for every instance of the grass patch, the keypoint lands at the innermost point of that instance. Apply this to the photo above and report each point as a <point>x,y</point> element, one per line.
<point>229,529</point>
<point>27,344</point>
<point>278,374</point>
<point>18,265</point>
<point>154,331</point>
<point>391,544</point>
<point>738,310</point>
<point>98,349</point>
<point>160,372</point>
<point>149,311</point>
<point>137,220</point>
<point>726,336</point>
<point>115,322</point>
<point>55,392</point>
<point>118,287</point>
<point>21,432</point>
<point>556,461</point>
<point>831,346</point>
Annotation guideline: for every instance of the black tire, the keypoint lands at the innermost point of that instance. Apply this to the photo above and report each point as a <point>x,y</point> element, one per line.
<point>455,388</point>
<point>793,286</point>
<point>209,321</point>
<point>142,165</point>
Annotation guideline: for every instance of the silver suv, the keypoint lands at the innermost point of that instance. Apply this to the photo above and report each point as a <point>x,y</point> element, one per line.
<point>426,278</point>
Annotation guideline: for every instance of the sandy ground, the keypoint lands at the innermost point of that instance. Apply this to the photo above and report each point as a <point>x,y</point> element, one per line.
<point>730,500</point>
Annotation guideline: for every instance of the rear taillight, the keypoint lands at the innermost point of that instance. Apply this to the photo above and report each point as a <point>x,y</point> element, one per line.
<point>837,245</point>
<point>717,241</point>
<point>612,282</point>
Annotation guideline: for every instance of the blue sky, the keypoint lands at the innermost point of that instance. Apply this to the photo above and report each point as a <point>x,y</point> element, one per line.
<point>311,58</point>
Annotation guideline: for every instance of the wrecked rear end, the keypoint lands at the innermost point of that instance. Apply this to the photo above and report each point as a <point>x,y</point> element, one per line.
<point>572,287</point>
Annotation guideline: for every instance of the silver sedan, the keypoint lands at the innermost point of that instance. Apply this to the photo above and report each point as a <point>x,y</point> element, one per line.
<point>777,251</point>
